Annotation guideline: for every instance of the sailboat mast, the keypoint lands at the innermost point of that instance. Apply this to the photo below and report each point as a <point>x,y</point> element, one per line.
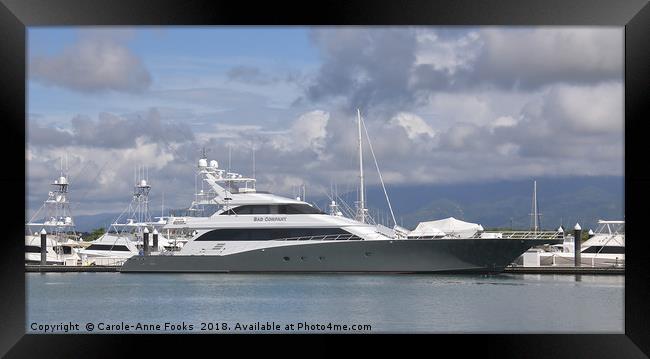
<point>362,204</point>
<point>535,214</point>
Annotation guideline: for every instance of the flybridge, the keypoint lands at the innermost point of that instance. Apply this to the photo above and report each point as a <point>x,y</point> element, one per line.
<point>224,188</point>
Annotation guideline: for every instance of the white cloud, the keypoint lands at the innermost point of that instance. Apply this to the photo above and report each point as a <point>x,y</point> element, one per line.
<point>503,121</point>
<point>309,131</point>
<point>413,124</point>
<point>93,64</point>
<point>592,109</point>
<point>534,57</point>
<point>448,54</point>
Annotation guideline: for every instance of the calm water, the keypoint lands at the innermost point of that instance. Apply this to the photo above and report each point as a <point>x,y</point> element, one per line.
<point>506,303</point>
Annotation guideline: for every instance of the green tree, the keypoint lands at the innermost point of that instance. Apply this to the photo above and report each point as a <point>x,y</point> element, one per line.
<point>96,233</point>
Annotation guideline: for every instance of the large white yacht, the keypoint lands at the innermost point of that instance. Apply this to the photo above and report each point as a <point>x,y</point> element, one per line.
<point>261,232</point>
<point>53,218</point>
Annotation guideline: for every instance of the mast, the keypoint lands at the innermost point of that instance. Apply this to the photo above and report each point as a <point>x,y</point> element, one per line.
<point>535,222</point>
<point>381,179</point>
<point>362,204</point>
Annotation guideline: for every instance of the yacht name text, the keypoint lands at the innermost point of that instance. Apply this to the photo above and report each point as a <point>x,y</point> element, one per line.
<point>270,219</point>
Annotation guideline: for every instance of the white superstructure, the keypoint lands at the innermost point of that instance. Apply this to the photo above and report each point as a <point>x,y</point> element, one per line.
<point>55,218</point>
<point>605,247</point>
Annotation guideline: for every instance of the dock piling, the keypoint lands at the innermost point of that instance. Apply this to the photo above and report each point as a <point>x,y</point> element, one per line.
<point>43,247</point>
<point>145,242</point>
<point>155,241</point>
<point>577,237</point>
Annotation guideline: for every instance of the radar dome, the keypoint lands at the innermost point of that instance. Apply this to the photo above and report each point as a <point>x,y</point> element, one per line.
<point>63,180</point>
<point>143,183</point>
<point>203,163</point>
<point>214,164</point>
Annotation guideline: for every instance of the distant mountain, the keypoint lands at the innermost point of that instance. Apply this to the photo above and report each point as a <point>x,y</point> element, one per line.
<point>87,223</point>
<point>503,204</point>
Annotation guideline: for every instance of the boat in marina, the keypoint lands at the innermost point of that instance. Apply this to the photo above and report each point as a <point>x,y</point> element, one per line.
<point>254,231</point>
<point>605,247</point>
<point>125,236</point>
<point>54,219</point>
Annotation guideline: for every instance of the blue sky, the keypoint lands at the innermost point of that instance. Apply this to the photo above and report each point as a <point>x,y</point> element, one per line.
<point>442,105</point>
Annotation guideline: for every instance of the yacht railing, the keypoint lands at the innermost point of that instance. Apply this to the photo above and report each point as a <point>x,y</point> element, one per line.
<point>327,237</point>
<point>522,235</point>
<point>500,235</point>
<point>517,235</point>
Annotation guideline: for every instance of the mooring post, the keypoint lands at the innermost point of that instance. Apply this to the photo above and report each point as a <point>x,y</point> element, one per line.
<point>145,242</point>
<point>155,241</point>
<point>43,247</point>
<point>577,237</point>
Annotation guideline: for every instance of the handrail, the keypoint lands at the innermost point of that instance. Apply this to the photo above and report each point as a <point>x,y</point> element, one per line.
<point>517,235</point>
<point>503,235</point>
<point>323,237</point>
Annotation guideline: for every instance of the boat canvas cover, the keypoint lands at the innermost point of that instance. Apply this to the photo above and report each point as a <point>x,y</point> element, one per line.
<point>450,226</point>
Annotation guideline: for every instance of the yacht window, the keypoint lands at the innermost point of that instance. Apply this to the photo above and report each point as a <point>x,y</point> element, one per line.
<point>301,209</point>
<point>261,210</point>
<point>298,208</point>
<point>107,247</point>
<point>32,249</point>
<point>63,249</point>
<point>265,234</point>
<point>605,250</point>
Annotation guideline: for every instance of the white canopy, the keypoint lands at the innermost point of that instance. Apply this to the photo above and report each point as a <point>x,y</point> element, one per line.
<point>449,226</point>
<point>426,229</point>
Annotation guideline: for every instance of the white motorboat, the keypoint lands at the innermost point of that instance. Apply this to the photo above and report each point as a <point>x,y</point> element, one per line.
<point>604,248</point>
<point>54,218</point>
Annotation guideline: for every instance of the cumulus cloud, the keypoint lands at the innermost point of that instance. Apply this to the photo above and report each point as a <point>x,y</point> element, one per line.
<point>364,66</point>
<point>447,53</point>
<point>413,125</point>
<point>309,131</point>
<point>390,69</point>
<point>503,121</point>
<point>97,62</point>
<point>529,58</point>
<point>110,131</point>
<point>569,121</point>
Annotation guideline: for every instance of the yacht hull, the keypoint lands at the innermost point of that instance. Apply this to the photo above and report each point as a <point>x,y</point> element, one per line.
<point>411,256</point>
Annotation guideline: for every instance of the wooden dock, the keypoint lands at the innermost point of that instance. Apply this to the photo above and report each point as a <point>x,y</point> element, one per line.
<point>565,270</point>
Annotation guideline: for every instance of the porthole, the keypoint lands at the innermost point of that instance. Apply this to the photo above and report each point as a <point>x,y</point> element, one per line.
<point>302,258</point>
<point>321,258</point>
<point>286,259</point>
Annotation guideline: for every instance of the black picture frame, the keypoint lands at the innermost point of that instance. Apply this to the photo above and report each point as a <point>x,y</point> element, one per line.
<point>634,15</point>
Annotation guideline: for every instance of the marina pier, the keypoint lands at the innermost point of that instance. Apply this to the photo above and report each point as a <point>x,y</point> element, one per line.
<point>509,269</point>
